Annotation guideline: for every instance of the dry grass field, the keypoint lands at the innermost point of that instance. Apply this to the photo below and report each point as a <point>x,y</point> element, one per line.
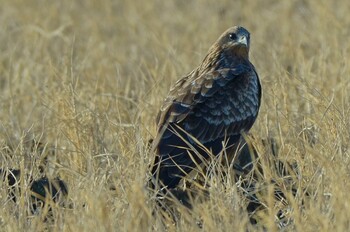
<point>86,79</point>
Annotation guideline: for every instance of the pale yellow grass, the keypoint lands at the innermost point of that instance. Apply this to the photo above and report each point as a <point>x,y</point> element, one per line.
<point>88,78</point>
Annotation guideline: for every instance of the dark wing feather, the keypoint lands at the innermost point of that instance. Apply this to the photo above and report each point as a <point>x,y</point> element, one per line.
<point>211,107</point>
<point>194,89</point>
<point>192,104</point>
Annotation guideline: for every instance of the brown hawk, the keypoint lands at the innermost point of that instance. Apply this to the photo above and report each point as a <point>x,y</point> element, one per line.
<point>207,110</point>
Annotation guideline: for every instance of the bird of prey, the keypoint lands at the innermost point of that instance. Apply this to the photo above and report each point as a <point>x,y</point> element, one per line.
<point>207,111</point>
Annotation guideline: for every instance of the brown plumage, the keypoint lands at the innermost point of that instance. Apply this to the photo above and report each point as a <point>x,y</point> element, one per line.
<point>209,107</point>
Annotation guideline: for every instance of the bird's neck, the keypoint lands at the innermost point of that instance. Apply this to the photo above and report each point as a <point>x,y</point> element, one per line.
<point>210,60</point>
<point>224,58</point>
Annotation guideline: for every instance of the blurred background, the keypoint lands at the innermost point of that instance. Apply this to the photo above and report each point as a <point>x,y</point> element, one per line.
<point>87,78</point>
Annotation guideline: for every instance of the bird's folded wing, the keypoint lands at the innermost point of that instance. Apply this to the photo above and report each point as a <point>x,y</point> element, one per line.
<point>194,89</point>
<point>191,104</point>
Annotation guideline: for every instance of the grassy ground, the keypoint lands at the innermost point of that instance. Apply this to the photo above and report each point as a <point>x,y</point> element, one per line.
<point>87,78</point>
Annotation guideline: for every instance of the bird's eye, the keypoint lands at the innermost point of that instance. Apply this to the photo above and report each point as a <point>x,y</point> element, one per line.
<point>233,36</point>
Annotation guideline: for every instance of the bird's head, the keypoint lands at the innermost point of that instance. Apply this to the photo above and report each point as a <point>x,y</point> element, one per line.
<point>235,39</point>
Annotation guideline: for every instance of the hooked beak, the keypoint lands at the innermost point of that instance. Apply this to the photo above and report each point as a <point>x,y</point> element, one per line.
<point>243,40</point>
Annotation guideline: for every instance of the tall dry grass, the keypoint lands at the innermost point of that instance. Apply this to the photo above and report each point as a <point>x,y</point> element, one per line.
<point>87,79</point>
